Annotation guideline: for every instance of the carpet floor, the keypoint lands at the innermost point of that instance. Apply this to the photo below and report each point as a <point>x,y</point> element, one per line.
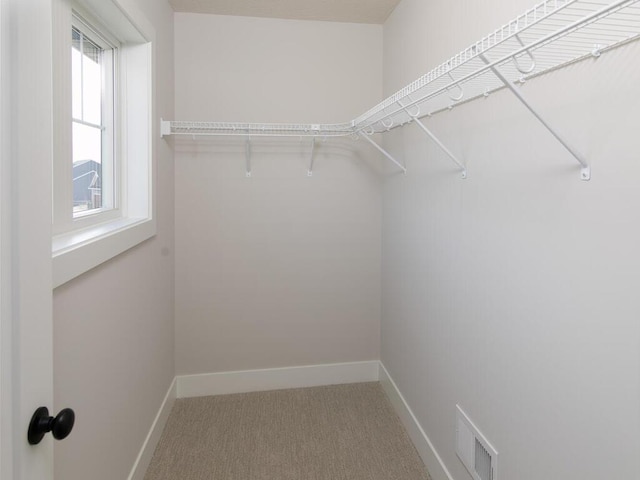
<point>339,432</point>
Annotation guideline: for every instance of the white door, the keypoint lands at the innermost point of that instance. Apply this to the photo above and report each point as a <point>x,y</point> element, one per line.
<point>25,235</point>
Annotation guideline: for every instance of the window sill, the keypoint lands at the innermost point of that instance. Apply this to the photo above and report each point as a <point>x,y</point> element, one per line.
<point>78,252</point>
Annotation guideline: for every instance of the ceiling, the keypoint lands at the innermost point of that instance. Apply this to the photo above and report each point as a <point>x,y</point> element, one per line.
<point>355,11</point>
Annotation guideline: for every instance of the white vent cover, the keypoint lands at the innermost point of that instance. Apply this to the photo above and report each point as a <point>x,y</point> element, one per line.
<point>476,453</point>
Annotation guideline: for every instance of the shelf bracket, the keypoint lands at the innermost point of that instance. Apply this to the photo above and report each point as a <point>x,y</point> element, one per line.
<point>463,169</point>
<point>247,154</point>
<point>383,151</point>
<point>165,127</point>
<point>311,157</point>
<point>585,170</point>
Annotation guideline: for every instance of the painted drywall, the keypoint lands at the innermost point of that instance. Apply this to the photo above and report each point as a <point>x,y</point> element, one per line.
<point>514,293</point>
<point>113,326</point>
<point>279,269</point>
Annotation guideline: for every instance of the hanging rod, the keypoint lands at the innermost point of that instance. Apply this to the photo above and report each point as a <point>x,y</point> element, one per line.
<point>552,34</point>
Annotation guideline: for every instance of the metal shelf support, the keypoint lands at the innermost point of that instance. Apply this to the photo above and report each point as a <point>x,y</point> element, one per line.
<point>311,157</point>
<point>383,151</point>
<point>459,164</point>
<point>247,153</point>
<point>165,127</point>
<point>585,171</point>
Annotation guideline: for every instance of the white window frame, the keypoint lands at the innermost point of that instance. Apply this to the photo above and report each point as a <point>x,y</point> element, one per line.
<point>84,243</point>
<point>112,175</point>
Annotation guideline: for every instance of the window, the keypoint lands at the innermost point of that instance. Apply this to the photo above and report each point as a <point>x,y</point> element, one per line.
<point>103,200</point>
<point>93,94</point>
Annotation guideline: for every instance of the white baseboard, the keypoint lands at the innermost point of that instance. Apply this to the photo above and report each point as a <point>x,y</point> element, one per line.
<point>276,378</point>
<point>428,453</point>
<point>148,447</point>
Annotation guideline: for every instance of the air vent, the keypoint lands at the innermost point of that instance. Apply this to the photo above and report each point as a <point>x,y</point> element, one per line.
<point>476,453</point>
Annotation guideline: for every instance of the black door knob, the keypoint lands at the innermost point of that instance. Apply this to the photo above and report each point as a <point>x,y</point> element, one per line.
<point>41,423</point>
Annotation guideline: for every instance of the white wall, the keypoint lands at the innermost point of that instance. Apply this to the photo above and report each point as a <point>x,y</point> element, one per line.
<point>279,269</point>
<point>113,326</point>
<point>515,292</point>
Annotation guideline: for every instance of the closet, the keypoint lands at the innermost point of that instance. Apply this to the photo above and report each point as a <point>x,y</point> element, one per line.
<point>466,233</point>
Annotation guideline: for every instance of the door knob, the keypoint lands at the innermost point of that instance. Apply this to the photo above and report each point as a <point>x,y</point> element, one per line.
<point>41,423</point>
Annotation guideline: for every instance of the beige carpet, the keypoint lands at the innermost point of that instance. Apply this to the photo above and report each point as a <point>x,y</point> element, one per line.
<point>340,432</point>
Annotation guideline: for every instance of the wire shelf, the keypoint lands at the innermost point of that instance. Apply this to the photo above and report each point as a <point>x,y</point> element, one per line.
<point>552,34</point>
<point>546,37</point>
<point>260,129</point>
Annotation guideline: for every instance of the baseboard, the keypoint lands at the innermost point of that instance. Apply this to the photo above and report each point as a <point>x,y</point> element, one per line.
<point>148,447</point>
<point>428,453</point>
<point>276,379</point>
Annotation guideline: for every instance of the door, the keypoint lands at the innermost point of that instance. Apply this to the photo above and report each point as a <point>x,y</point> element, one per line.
<point>25,234</point>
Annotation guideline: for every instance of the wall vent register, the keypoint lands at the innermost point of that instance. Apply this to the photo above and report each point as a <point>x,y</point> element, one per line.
<point>552,34</point>
<point>473,449</point>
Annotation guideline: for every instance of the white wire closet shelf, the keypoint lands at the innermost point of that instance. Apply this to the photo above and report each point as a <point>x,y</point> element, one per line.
<point>552,34</point>
<point>257,129</point>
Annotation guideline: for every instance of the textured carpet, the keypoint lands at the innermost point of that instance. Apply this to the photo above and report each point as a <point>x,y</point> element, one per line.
<point>340,432</point>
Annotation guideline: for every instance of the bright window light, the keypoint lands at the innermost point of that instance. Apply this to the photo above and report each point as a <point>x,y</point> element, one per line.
<point>92,110</point>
